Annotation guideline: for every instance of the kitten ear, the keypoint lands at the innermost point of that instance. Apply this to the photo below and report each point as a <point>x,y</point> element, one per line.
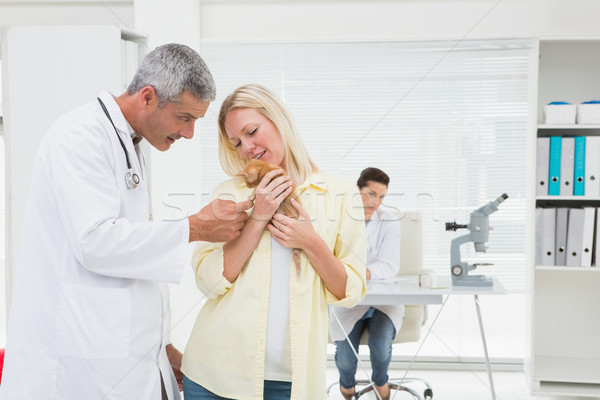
<point>249,175</point>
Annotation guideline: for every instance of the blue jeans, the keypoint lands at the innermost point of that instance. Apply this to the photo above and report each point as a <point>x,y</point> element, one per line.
<point>273,390</point>
<point>381,335</point>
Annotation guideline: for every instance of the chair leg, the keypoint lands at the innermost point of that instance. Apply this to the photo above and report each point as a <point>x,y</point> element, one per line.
<point>393,386</point>
<point>427,393</point>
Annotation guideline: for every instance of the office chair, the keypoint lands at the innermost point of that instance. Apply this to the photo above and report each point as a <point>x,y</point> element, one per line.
<point>411,264</point>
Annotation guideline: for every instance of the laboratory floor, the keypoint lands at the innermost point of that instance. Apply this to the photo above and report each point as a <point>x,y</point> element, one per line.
<point>462,385</point>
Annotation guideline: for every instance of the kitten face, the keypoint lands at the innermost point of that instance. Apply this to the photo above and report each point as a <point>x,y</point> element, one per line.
<point>255,171</point>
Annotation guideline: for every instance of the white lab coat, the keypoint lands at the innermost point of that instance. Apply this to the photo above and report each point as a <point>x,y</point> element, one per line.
<point>383,260</point>
<point>89,310</point>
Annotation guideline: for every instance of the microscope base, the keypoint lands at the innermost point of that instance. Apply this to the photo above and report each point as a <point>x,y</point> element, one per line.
<point>472,280</point>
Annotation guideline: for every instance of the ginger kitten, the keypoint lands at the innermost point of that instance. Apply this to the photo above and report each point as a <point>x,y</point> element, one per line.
<point>255,171</point>
<point>252,174</point>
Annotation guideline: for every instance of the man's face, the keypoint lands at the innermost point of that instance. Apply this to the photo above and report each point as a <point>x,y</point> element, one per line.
<point>163,126</point>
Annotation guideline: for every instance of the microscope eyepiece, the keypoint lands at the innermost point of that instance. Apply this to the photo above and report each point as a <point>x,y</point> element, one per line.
<point>453,226</point>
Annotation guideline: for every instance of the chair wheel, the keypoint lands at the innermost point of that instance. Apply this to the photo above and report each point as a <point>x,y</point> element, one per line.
<point>428,394</point>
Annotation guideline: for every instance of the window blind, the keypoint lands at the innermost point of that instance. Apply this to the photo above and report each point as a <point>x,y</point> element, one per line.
<point>446,121</point>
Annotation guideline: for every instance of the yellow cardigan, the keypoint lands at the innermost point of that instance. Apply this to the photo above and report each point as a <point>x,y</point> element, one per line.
<point>226,350</point>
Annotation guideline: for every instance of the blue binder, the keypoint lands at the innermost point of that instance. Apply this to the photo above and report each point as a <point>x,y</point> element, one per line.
<point>554,166</point>
<point>579,167</point>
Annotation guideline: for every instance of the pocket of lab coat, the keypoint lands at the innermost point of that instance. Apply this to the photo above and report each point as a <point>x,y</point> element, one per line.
<point>95,322</point>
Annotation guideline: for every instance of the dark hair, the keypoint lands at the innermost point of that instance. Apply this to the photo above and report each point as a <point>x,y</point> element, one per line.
<point>372,174</point>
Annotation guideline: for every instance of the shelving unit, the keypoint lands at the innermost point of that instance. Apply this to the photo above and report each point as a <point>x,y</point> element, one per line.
<point>565,301</point>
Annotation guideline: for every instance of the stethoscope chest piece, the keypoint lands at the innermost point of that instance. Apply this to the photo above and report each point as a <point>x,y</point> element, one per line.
<point>131,179</point>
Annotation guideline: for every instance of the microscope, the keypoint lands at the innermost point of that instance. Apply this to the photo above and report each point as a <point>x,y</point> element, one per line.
<point>479,229</point>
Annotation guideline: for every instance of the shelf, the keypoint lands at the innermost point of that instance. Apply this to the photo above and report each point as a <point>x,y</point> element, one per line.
<point>568,198</point>
<point>566,389</point>
<point>564,332</point>
<point>568,130</point>
<point>567,201</point>
<point>561,268</point>
<point>568,370</point>
<point>569,127</point>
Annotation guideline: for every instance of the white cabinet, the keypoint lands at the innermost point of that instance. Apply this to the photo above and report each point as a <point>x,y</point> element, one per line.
<point>565,301</point>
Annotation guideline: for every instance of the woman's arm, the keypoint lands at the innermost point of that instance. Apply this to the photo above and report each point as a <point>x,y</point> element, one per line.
<point>330,269</point>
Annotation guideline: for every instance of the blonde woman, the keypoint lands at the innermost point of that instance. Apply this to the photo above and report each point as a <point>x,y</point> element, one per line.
<point>262,333</point>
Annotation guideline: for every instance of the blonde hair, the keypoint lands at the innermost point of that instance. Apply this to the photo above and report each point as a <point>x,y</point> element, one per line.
<point>257,97</point>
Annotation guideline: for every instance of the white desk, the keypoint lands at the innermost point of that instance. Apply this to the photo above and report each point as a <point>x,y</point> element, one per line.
<point>381,293</point>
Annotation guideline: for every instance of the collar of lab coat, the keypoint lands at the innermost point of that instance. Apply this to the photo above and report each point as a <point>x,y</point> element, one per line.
<point>116,114</point>
<point>372,224</point>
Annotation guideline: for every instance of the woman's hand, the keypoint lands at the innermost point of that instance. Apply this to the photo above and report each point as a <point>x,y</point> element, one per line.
<point>300,234</point>
<point>269,194</point>
<point>293,233</point>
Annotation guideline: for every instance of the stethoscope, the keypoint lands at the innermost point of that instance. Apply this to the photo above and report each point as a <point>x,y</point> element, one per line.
<point>131,179</point>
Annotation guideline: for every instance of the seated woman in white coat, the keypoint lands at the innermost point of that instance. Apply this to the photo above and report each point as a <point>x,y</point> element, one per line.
<point>382,322</point>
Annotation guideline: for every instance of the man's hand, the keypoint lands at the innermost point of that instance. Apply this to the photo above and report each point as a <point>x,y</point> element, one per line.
<point>175,358</point>
<point>219,221</point>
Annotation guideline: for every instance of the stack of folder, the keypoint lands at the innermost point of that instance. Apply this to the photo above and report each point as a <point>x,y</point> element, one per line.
<point>568,166</point>
<point>567,236</point>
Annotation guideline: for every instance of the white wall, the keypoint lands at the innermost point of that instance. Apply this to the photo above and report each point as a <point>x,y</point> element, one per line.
<point>395,20</point>
<point>67,12</point>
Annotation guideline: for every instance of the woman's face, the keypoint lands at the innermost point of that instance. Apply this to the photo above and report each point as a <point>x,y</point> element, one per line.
<point>254,136</point>
<point>372,196</point>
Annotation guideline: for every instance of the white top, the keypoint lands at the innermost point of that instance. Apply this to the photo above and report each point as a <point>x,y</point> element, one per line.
<point>383,260</point>
<point>278,358</point>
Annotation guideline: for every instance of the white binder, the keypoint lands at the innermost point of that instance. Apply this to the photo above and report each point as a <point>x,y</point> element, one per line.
<point>596,259</point>
<point>539,234</point>
<point>587,241</point>
<point>543,162</point>
<point>575,236</point>
<point>592,166</point>
<point>567,155</point>
<point>560,253</point>
<point>546,228</point>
